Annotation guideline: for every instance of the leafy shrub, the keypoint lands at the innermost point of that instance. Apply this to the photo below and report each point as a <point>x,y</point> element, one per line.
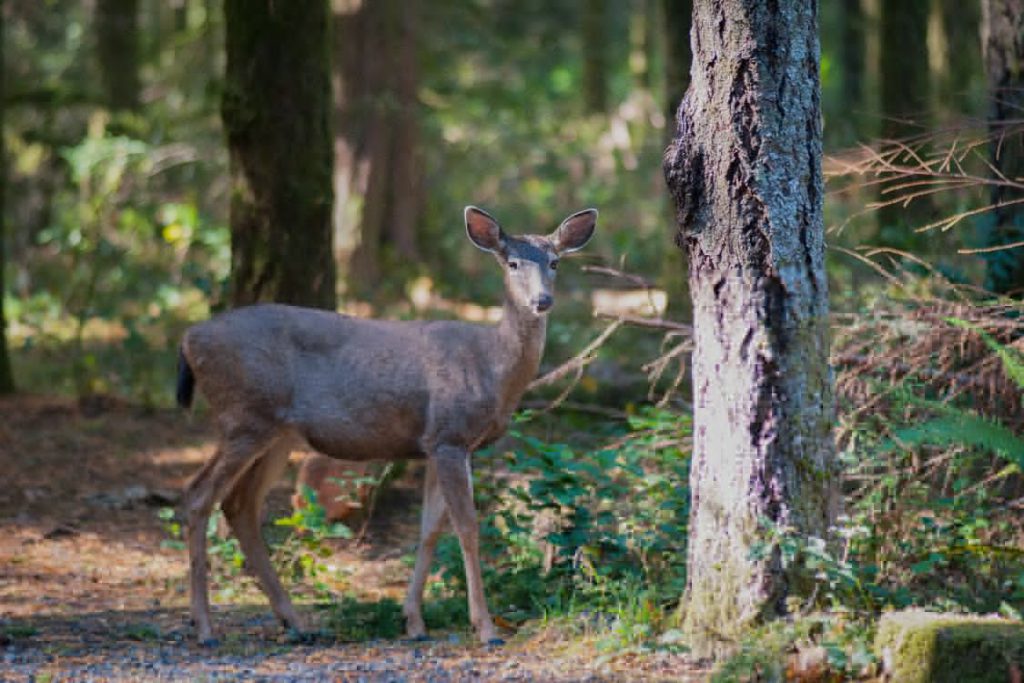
<point>598,530</point>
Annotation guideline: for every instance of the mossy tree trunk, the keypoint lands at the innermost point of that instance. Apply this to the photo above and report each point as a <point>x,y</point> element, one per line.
<point>276,109</point>
<point>117,43</point>
<point>378,173</point>
<point>905,102</point>
<point>6,377</point>
<point>745,172</point>
<point>1003,43</point>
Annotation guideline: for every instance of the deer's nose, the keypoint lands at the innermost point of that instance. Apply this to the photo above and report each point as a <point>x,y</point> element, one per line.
<point>544,302</point>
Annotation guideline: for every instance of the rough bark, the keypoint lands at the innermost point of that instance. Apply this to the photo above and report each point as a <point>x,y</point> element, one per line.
<point>1003,43</point>
<point>905,102</point>
<point>276,110</point>
<point>745,172</point>
<point>117,34</point>
<point>6,377</point>
<point>595,62</point>
<point>377,181</point>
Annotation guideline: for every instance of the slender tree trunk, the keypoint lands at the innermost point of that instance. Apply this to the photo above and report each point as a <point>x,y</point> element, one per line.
<point>745,172</point>
<point>852,49</point>
<point>378,175</point>
<point>595,62</point>
<point>678,17</point>
<point>117,32</point>
<point>961,21</point>
<point>905,101</point>
<point>6,377</point>
<point>1003,42</point>
<point>276,110</point>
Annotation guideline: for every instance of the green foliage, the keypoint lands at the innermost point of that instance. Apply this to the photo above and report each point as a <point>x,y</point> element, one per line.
<point>1011,358</point>
<point>353,620</point>
<point>597,530</point>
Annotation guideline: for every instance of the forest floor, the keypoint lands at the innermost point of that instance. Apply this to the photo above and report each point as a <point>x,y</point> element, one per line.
<point>89,589</point>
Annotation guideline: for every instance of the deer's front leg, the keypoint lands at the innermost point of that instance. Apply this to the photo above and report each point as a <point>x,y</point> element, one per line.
<point>431,522</point>
<point>456,484</point>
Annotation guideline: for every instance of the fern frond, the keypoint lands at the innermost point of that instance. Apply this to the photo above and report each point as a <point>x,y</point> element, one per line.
<point>968,429</point>
<point>1013,360</point>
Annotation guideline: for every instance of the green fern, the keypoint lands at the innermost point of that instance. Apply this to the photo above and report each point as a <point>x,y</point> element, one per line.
<point>967,429</point>
<point>954,425</point>
<point>1013,360</point>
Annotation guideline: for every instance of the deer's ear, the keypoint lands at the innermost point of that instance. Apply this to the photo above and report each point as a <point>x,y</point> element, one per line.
<point>484,231</point>
<point>575,231</point>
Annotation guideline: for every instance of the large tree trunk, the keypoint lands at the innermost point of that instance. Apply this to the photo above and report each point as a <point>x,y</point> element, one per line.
<point>1003,42</point>
<point>745,172</point>
<point>276,111</point>
<point>117,33</point>
<point>905,103</point>
<point>6,378</point>
<point>377,178</point>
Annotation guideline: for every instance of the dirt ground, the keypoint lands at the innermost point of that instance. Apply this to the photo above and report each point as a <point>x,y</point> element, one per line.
<point>88,590</point>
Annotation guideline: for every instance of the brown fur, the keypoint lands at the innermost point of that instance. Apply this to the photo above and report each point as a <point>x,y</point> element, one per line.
<point>276,376</point>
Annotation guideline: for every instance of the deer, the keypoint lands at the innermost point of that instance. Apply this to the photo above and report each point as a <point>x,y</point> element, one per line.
<point>351,388</point>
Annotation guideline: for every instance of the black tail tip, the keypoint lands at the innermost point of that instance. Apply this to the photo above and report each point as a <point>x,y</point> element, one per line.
<point>186,381</point>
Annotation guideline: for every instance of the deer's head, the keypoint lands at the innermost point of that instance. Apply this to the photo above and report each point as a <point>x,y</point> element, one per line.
<point>530,262</point>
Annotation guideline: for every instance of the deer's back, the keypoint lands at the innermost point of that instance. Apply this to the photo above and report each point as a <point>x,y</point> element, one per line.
<point>354,388</point>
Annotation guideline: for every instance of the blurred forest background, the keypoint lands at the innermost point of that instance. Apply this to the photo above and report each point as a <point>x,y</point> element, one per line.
<point>118,187</point>
<point>117,237</point>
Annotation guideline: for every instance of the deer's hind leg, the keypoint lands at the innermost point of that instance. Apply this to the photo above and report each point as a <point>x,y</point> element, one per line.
<point>238,448</point>
<point>242,507</point>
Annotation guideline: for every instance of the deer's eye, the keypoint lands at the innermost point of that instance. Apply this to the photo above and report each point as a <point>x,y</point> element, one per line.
<point>513,265</point>
<point>554,264</point>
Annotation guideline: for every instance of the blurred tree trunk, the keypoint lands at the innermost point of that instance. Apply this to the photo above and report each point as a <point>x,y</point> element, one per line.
<point>763,449</point>
<point>378,176</point>
<point>6,377</point>
<point>905,101</point>
<point>678,16</point>
<point>1003,42</point>
<point>852,49</point>
<point>595,62</point>
<point>276,112</point>
<point>117,33</point>
<point>961,23</point>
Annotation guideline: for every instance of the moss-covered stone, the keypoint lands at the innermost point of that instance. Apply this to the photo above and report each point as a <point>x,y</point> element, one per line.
<point>927,647</point>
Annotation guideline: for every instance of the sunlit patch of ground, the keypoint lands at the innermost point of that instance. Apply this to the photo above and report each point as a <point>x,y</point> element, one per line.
<point>89,589</point>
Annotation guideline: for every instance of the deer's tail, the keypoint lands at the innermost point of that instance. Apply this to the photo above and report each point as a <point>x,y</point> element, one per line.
<point>186,381</point>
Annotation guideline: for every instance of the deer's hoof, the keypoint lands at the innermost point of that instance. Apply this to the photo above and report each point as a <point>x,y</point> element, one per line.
<point>209,643</point>
<point>295,636</point>
<point>495,642</point>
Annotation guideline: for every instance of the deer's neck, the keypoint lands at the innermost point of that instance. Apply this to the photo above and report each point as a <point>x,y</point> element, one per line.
<point>521,336</point>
